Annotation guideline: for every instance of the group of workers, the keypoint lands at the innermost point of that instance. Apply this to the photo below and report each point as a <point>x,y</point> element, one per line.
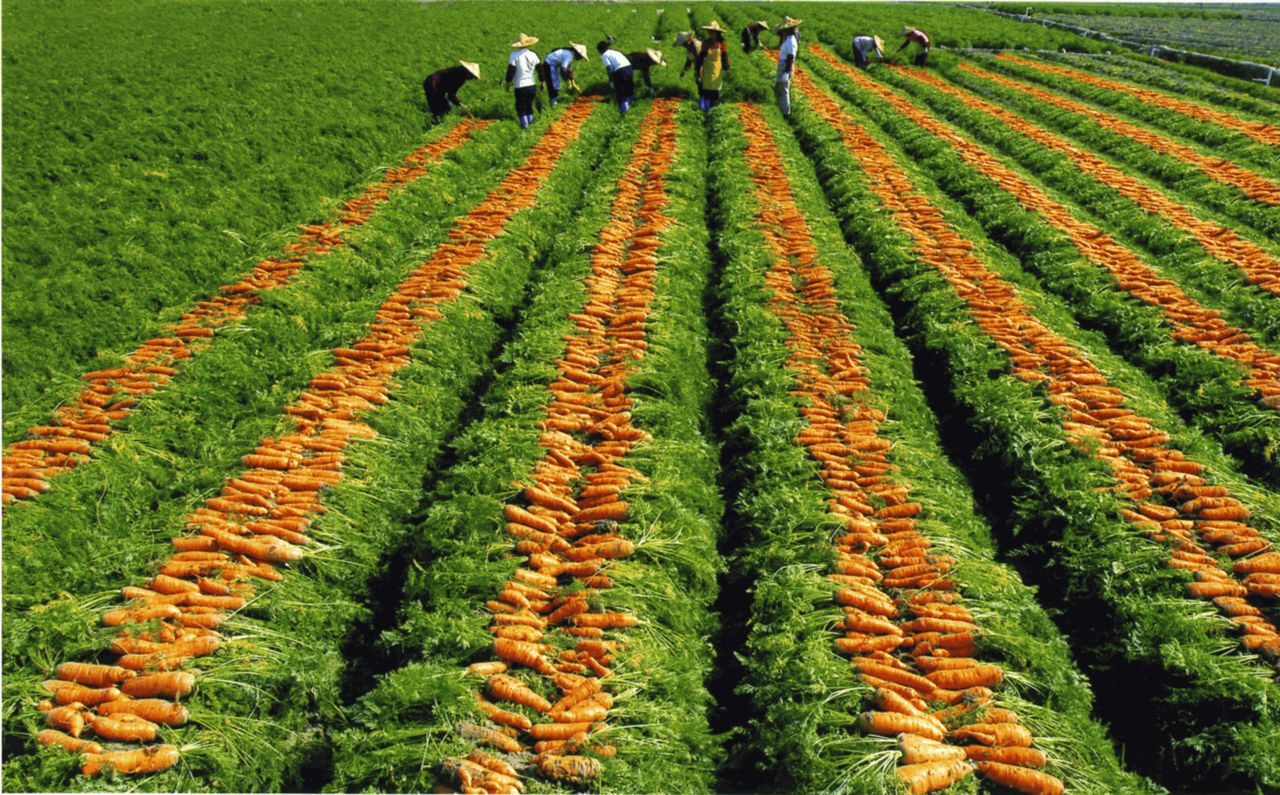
<point>707,56</point>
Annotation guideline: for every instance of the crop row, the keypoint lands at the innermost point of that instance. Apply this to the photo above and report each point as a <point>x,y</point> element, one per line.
<point>1077,507</point>
<point>1054,243</point>
<point>573,652</point>
<point>273,651</point>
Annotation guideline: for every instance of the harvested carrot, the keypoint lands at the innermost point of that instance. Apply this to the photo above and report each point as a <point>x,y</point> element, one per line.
<point>155,710</point>
<point>71,718</point>
<point>65,692</point>
<point>580,769</point>
<point>891,723</point>
<point>919,750</point>
<point>67,742</point>
<point>497,739</point>
<point>930,776</point>
<point>1023,779</point>
<point>508,688</point>
<point>961,678</point>
<point>144,760</point>
<point>92,674</point>
<point>1007,754</point>
<point>124,727</point>
<point>994,734</point>
<point>558,731</point>
<point>174,684</point>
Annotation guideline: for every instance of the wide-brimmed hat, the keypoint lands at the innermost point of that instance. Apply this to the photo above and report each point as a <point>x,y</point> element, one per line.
<point>879,44</point>
<point>473,68</point>
<point>788,23</point>
<point>525,40</point>
<point>656,57</point>
<point>580,49</point>
<point>763,24</point>
<point>713,25</point>
<point>683,38</point>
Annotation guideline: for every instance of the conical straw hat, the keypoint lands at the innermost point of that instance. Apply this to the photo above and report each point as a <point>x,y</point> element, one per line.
<point>580,49</point>
<point>713,25</point>
<point>473,68</point>
<point>683,38</point>
<point>789,22</point>
<point>879,44</point>
<point>763,24</point>
<point>525,40</point>
<point>656,57</point>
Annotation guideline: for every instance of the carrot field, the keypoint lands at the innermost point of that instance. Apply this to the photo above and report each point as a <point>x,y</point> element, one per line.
<point>924,439</point>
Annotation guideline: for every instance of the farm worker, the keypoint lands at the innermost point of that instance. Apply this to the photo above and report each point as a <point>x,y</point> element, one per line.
<point>916,36</point>
<point>863,46</point>
<point>692,49</point>
<point>786,63</point>
<point>559,67</point>
<point>621,75</point>
<point>524,75</point>
<point>712,63</point>
<point>751,34</point>
<point>642,61</point>
<point>441,87</point>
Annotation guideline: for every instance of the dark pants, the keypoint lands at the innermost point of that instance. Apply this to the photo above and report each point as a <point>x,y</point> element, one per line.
<point>624,84</point>
<point>709,98</point>
<point>437,102</point>
<point>552,92</point>
<point>858,58</point>
<point>524,100</point>
<point>644,73</point>
<point>922,57</point>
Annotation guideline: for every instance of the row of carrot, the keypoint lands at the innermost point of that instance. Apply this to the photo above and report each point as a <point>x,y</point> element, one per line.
<point>1258,266</point>
<point>905,627</point>
<point>1135,450</point>
<point>111,393</point>
<point>569,520</point>
<point>1191,322</point>
<point>259,519</point>
<point>1259,131</point>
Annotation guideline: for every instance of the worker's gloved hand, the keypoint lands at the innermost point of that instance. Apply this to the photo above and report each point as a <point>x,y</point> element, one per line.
<point>506,86</point>
<point>573,86</point>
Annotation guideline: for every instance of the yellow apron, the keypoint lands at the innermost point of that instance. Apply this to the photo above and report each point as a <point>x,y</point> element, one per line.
<point>712,67</point>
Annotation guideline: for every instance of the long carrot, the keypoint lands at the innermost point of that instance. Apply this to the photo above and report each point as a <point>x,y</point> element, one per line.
<point>156,710</point>
<point>930,776</point>
<point>918,750</point>
<point>508,688</point>
<point>961,678</point>
<point>66,741</point>
<point>65,692</point>
<point>1007,754</point>
<point>174,684</point>
<point>144,760</point>
<point>1023,779</point>
<point>581,769</point>
<point>891,723</point>
<point>124,727</point>
<point>92,674</point>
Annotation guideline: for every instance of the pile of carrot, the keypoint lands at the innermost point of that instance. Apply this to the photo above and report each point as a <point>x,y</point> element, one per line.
<point>1191,321</point>
<point>1259,131</point>
<point>905,628</point>
<point>547,702</point>
<point>259,519</point>
<point>1258,266</point>
<point>1253,185</point>
<point>1196,518</point>
<point>110,394</point>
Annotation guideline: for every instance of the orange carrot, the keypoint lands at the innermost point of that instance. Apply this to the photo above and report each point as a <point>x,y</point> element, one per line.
<point>497,739</point>
<point>930,776</point>
<point>71,718</point>
<point>1007,754</point>
<point>521,653</point>
<point>995,734</point>
<point>890,701</point>
<point>588,688</point>
<point>894,674</point>
<point>65,692</point>
<point>917,750</point>
<point>1022,779</point>
<point>616,511</point>
<point>93,675</point>
<point>606,620</point>
<point>508,688</point>
<point>144,760</point>
<point>504,717</point>
<point>124,727</point>
<point>961,678</point>
<point>156,710</point>
<point>171,685</point>
<point>72,744</point>
<point>891,723</point>
<point>558,731</point>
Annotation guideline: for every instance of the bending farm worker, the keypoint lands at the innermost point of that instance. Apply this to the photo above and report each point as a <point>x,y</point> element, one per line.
<point>559,69</point>
<point>712,63</point>
<point>787,52</point>
<point>644,60</point>
<point>441,87</point>
<point>918,37</point>
<point>524,75</point>
<point>621,75</point>
<point>751,34</point>
<point>863,46</point>
<point>692,49</point>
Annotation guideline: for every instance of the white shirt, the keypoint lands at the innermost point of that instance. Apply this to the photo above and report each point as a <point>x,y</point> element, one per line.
<point>787,48</point>
<point>865,45</point>
<point>613,60</point>
<point>526,64</point>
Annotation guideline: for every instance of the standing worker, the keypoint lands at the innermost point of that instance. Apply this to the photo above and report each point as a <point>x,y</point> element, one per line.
<point>621,75</point>
<point>559,69</point>
<point>863,47</point>
<point>441,87</point>
<point>916,36</point>
<point>751,34</point>
<point>523,73</point>
<point>787,51</point>
<point>712,63</point>
<point>643,61</point>
<point>692,49</point>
